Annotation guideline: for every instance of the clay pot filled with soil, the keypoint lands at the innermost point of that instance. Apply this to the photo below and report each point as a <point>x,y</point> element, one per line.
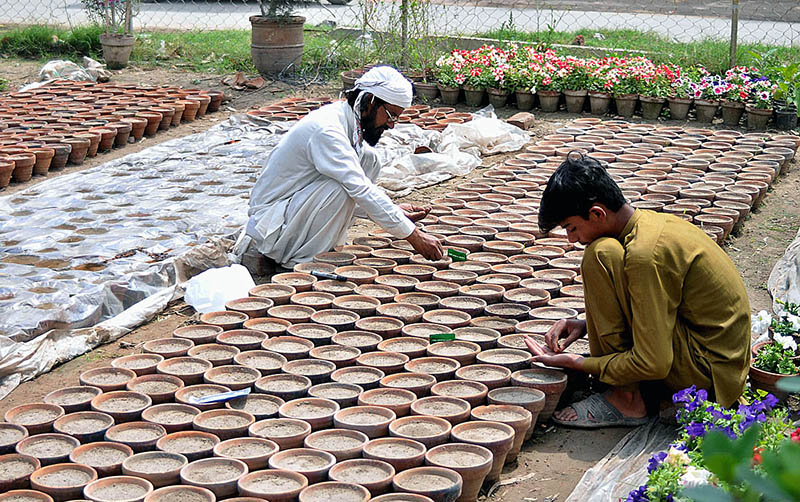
<point>334,490</point>
<point>400,453</point>
<point>242,339</point>
<point>452,409</point>
<point>189,369</point>
<point>198,333</point>
<point>278,485</point>
<point>387,362</point>
<point>63,481</point>
<point>226,319</point>
<point>343,444</point>
<point>438,483</point>
<point>418,383</point>
<point>317,412</point>
<point>123,406</point>
<point>25,496</point>
<point>173,417</point>
<point>374,475</point>
<point>286,432</point>
<point>531,399</point>
<point>48,449</point>
<point>316,370</point>
<point>397,400</point>
<point>225,423</point>
<point>107,379</point>
<point>317,334</point>
<point>313,464</point>
<point>472,392</point>
<point>184,493</point>
<point>512,359</point>
<point>494,436</point>
<point>261,406</point>
<point>158,467</point>
<point>37,418</point>
<point>140,436</point>
<point>15,471</point>
<point>472,462</point>
<point>193,445</point>
<point>428,430</point>
<point>371,420</point>
<point>516,416</point>
<point>551,382</point>
<point>290,347</point>
<point>344,394</point>
<point>284,386</point>
<point>409,346</point>
<point>220,475</point>
<point>118,489</point>
<point>232,376</point>
<point>141,364</point>
<point>85,426</point>
<point>168,347</point>
<point>73,399</point>
<point>104,457</point>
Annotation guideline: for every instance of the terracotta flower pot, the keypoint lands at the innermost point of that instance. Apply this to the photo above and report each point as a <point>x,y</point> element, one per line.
<point>371,420</point>
<point>732,113</point>
<point>48,448</point>
<point>194,445</point>
<point>313,464</point>
<point>181,492</point>
<point>119,489</point>
<point>452,409</point>
<point>278,485</point>
<point>679,107</point>
<point>343,444</point>
<point>438,483</point>
<point>428,430</point>
<point>62,481</point>
<point>105,457</point>
<point>220,475</point>
<point>334,490</point>
<point>374,475</point>
<point>474,96</point>
<point>17,470</point>
<point>472,462</point>
<point>626,104</point>
<point>472,392</point>
<point>531,399</point>
<point>450,95</point>
<point>85,426</point>
<point>549,100</point>
<point>517,417</point>
<point>37,418</point>
<point>158,467</point>
<point>758,118</point>
<point>73,399</point>
<point>575,100</point>
<point>495,436</point>
<point>651,106</point>
<point>551,382</point>
<point>23,166</point>
<point>706,110</point>
<point>255,452</point>
<point>286,432</point>
<point>525,100</point>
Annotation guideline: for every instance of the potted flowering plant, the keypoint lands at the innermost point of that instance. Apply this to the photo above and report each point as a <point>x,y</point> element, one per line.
<point>787,96</point>
<point>654,88</point>
<point>117,39</point>
<point>759,109</point>
<point>520,80</point>
<point>450,76</point>
<point>681,97</point>
<point>600,84</point>
<point>776,357</point>
<point>689,466</point>
<point>575,84</point>
<point>710,90</point>
<point>736,94</point>
<point>626,89</point>
<point>500,88</point>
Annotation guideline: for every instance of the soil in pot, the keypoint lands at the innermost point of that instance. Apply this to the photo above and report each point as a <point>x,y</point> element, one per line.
<point>438,483</point>
<point>286,432</point>
<point>531,399</point>
<point>343,444</point>
<point>104,456</point>
<point>313,464</point>
<point>63,481</point>
<point>10,435</point>
<point>517,417</point>
<point>374,475</point>
<point>158,467</point>
<point>85,426</point>
<point>496,436</point>
<point>220,475</point>
<point>118,489</point>
<point>48,448</point>
<point>278,485</point>
<point>15,471</point>
<point>371,420</point>
<point>193,445</point>
<point>551,382</point>
<point>73,399</point>
<point>428,430</point>
<point>472,462</point>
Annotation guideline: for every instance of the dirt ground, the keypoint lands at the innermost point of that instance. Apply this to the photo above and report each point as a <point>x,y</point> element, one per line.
<point>552,463</point>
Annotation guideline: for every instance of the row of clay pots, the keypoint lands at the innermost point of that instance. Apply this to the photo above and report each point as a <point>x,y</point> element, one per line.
<point>64,122</point>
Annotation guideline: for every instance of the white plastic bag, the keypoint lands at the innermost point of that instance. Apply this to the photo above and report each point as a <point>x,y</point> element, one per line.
<point>209,291</point>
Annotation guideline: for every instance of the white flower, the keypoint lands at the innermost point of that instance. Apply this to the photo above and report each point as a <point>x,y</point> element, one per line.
<point>694,476</point>
<point>760,323</point>
<point>677,457</point>
<point>795,321</point>
<point>787,342</point>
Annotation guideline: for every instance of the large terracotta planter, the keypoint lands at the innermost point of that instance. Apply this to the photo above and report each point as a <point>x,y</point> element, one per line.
<point>449,95</point>
<point>575,100</point>
<point>525,100</point>
<point>706,110</point>
<point>758,118</point>
<point>548,100</point>
<point>117,49</point>
<point>277,44</point>
<point>599,102</point>
<point>427,91</point>
<point>679,107</point>
<point>497,97</point>
<point>732,113</point>
<point>474,95</point>
<point>766,380</point>
<point>651,107</point>
<point>626,104</point>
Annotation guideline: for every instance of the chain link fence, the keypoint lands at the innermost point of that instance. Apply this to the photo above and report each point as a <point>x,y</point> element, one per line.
<point>768,22</point>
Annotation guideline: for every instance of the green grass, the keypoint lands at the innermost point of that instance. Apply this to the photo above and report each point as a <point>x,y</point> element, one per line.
<point>227,51</point>
<point>713,54</point>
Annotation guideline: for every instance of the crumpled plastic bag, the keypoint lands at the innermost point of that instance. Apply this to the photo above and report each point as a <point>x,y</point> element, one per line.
<point>211,290</point>
<point>59,69</point>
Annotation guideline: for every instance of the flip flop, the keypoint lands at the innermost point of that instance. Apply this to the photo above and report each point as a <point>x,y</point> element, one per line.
<point>603,414</point>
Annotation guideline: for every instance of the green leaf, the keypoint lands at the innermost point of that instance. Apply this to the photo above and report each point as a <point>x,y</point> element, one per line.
<point>707,493</point>
<point>791,384</point>
<point>719,454</point>
<point>765,486</point>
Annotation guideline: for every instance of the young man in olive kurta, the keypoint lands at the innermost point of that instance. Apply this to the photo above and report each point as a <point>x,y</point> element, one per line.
<point>663,301</point>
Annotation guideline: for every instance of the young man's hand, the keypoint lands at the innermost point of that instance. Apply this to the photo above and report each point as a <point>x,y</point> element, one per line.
<point>564,333</point>
<point>413,212</point>
<point>426,245</point>
<point>543,354</point>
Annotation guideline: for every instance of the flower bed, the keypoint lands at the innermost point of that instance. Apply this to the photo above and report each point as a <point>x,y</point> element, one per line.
<point>705,453</point>
<point>525,71</point>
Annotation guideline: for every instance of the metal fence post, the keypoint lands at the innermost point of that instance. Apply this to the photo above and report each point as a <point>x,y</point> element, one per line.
<point>734,30</point>
<point>404,30</point>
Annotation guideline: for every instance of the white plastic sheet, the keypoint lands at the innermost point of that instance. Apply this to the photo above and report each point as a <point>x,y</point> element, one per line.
<point>212,289</point>
<point>87,257</point>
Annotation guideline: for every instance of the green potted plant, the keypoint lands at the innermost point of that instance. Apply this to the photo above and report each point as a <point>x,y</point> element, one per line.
<point>735,95</point>
<point>575,85</point>
<point>626,91</point>
<point>680,97</point>
<point>277,38</point>
<point>777,357</point>
<point>500,88</point>
<point>759,109</point>
<point>709,91</point>
<point>117,38</point>
<point>787,96</point>
<point>600,84</point>
<point>653,92</point>
<point>547,89</point>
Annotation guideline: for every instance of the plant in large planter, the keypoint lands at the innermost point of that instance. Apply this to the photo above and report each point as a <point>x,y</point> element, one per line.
<point>626,89</point>
<point>787,96</point>
<point>548,89</point>
<point>681,96</point>
<point>575,84</point>
<point>759,109</point>
<point>777,357</point>
<point>500,88</point>
<point>654,88</point>
<point>478,73</point>
<point>117,39</point>
<point>600,84</point>
<point>277,38</point>
<point>735,95</point>
<point>520,81</point>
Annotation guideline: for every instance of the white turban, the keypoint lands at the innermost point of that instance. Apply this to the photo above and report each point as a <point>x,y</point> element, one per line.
<point>388,84</point>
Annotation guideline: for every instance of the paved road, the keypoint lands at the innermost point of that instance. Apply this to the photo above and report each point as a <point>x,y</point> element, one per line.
<point>452,18</point>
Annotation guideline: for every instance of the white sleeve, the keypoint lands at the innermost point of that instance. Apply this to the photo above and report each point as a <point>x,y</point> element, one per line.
<point>333,156</point>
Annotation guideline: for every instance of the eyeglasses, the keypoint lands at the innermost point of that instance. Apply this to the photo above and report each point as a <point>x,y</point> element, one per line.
<point>392,118</point>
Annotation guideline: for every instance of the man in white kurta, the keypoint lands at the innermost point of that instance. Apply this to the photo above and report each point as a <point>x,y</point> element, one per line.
<point>322,175</point>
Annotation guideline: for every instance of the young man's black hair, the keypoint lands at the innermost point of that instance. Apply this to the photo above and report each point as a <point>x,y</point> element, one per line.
<point>578,183</point>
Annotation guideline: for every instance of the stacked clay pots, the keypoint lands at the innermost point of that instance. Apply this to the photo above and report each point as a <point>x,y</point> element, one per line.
<point>65,121</point>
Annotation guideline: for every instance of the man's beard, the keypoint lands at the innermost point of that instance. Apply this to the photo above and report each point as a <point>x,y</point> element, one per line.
<point>370,131</point>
